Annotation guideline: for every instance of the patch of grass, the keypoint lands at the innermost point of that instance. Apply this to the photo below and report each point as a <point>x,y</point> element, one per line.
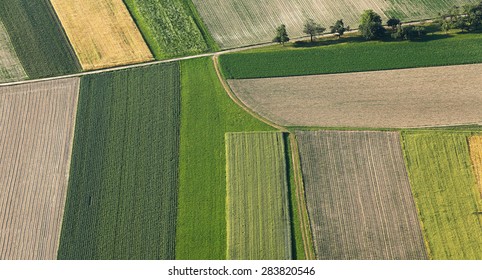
<point>207,113</point>
<point>280,61</point>
<point>38,38</point>
<point>122,195</point>
<point>171,27</point>
<point>444,187</point>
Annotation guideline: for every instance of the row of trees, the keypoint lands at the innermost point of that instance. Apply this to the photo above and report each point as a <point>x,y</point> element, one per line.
<point>467,18</point>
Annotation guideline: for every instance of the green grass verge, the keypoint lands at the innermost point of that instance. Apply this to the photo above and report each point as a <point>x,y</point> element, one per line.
<point>171,27</point>
<point>445,191</point>
<point>207,113</point>
<point>355,56</point>
<point>122,195</point>
<point>38,38</point>
<point>257,210</point>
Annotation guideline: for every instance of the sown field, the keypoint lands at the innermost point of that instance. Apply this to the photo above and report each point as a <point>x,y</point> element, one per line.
<point>102,33</point>
<point>207,114</point>
<point>396,98</point>
<point>437,50</point>
<point>475,144</point>
<point>38,38</point>
<point>122,196</point>
<point>10,67</point>
<point>445,191</point>
<point>171,27</point>
<point>36,131</point>
<point>239,23</point>
<point>257,210</point>
<point>358,196</point>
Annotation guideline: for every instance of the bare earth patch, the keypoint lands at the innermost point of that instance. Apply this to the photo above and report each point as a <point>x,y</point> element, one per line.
<point>36,132</point>
<point>421,97</point>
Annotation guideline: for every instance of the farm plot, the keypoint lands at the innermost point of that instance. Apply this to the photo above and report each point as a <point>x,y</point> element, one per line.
<point>475,143</point>
<point>36,131</point>
<point>171,27</point>
<point>445,191</point>
<point>38,38</point>
<point>102,33</point>
<point>398,98</point>
<point>122,196</point>
<point>10,67</point>
<point>238,23</point>
<point>258,222</point>
<point>358,196</point>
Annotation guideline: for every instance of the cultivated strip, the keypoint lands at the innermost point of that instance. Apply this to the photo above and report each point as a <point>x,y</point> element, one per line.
<point>475,144</point>
<point>36,132</point>
<point>10,67</point>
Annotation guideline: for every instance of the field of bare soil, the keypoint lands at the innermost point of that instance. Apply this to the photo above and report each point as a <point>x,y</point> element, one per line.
<point>421,97</point>
<point>36,132</point>
<point>358,196</point>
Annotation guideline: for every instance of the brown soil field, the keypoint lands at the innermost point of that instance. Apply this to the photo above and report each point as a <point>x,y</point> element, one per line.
<point>475,144</point>
<point>359,197</point>
<point>102,33</point>
<point>421,97</point>
<point>36,132</point>
<point>10,67</point>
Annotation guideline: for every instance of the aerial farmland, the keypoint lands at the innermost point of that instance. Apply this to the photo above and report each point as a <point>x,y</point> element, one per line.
<point>241,130</point>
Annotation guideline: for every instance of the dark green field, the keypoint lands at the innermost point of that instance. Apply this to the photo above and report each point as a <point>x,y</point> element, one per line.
<point>207,114</point>
<point>122,196</point>
<point>38,38</point>
<point>353,56</point>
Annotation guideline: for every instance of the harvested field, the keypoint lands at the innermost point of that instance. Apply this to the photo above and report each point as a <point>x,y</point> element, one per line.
<point>102,33</point>
<point>475,144</point>
<point>36,131</point>
<point>358,196</point>
<point>238,23</point>
<point>10,67</point>
<point>445,191</point>
<point>122,196</point>
<point>398,98</point>
<point>38,38</point>
<point>258,221</point>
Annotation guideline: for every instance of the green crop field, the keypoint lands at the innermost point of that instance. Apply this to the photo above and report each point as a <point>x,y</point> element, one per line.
<point>171,27</point>
<point>257,211</point>
<point>122,196</point>
<point>38,38</point>
<point>445,191</point>
<point>353,57</point>
<point>10,67</point>
<point>207,114</point>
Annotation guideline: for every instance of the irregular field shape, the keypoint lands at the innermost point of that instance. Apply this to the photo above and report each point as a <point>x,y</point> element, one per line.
<point>398,98</point>
<point>444,187</point>
<point>168,26</point>
<point>238,23</point>
<point>358,196</point>
<point>102,33</point>
<point>122,195</point>
<point>36,131</point>
<point>38,38</point>
<point>10,67</point>
<point>258,222</point>
<point>207,115</point>
<point>475,144</point>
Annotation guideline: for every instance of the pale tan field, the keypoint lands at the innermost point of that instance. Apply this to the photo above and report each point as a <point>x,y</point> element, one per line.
<point>436,96</point>
<point>102,33</point>
<point>475,143</point>
<point>10,67</point>
<point>36,131</point>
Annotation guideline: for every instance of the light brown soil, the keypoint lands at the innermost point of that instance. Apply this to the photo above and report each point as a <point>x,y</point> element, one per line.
<point>475,144</point>
<point>36,132</point>
<point>435,96</point>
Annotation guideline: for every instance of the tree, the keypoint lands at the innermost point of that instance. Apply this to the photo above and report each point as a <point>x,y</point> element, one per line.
<point>473,15</point>
<point>409,32</point>
<point>393,23</point>
<point>312,28</point>
<point>281,35</point>
<point>339,28</point>
<point>371,25</point>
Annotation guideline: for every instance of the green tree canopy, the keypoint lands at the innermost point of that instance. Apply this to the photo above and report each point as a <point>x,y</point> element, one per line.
<point>371,25</point>
<point>281,35</point>
<point>312,28</point>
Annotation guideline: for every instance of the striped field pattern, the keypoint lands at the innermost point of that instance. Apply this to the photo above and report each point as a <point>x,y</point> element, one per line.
<point>358,196</point>
<point>10,67</point>
<point>36,132</point>
<point>258,223</point>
